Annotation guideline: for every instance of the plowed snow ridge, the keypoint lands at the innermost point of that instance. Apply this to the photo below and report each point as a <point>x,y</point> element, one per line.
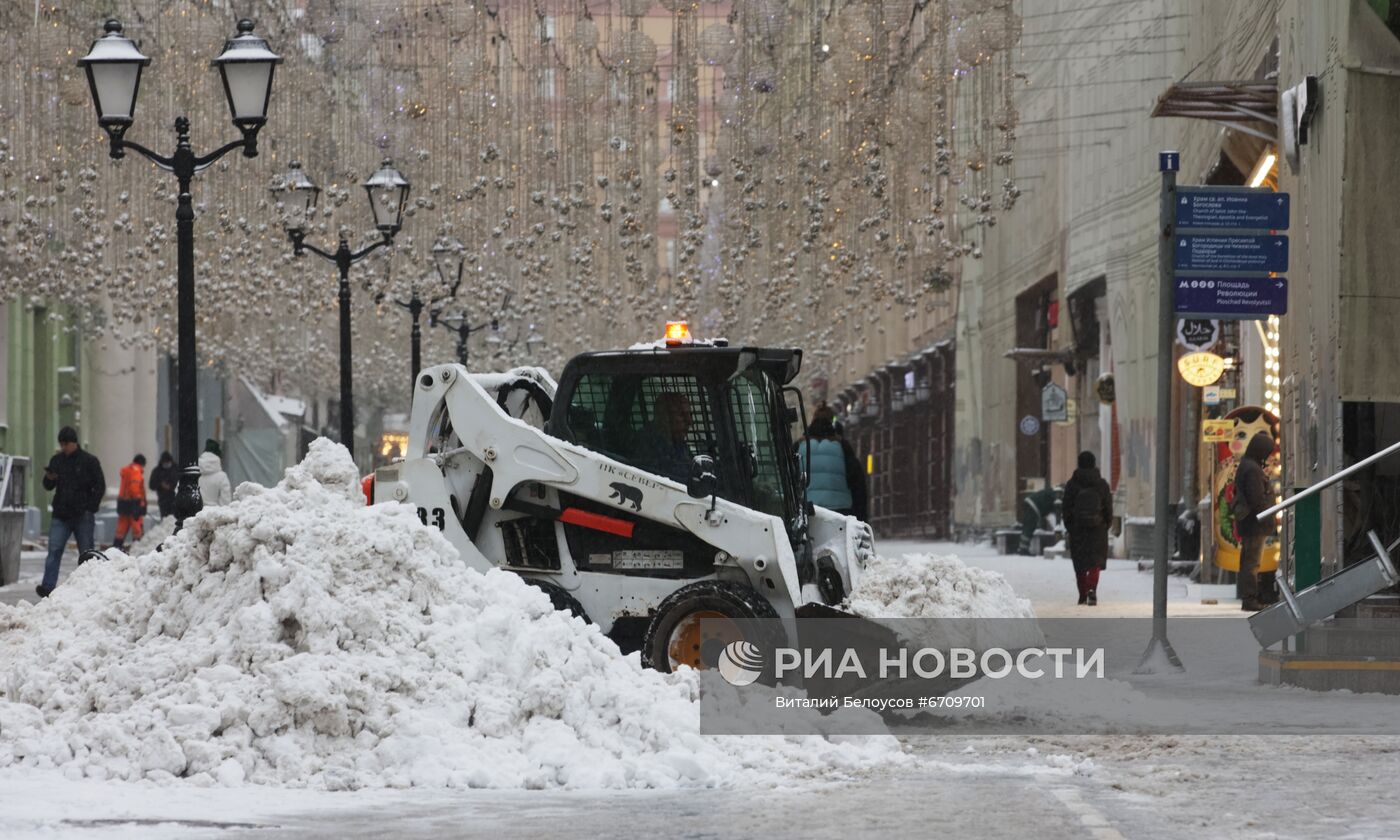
<point>297,637</point>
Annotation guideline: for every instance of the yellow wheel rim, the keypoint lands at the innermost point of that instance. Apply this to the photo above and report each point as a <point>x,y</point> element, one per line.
<point>689,636</point>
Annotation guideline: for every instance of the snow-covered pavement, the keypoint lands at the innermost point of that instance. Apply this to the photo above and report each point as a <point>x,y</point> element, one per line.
<point>1102,788</point>
<point>1124,592</point>
<point>31,572</point>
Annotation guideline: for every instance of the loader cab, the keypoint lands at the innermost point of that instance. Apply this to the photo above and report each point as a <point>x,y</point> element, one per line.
<point>657,408</point>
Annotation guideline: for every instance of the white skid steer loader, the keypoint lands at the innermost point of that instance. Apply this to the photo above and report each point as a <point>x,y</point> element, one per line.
<point>649,489</point>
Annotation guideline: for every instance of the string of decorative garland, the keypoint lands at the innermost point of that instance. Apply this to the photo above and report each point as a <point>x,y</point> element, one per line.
<point>774,171</point>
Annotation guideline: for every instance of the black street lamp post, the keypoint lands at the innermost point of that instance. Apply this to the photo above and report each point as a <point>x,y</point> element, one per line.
<point>414,305</point>
<point>461,324</point>
<point>388,193</point>
<point>113,66</point>
<point>443,253</point>
<point>463,327</point>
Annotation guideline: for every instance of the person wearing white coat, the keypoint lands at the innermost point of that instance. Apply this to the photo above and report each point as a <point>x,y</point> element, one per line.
<point>214,486</point>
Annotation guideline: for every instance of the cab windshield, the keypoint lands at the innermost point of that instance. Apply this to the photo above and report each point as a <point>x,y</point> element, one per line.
<point>753,403</point>
<point>660,421</point>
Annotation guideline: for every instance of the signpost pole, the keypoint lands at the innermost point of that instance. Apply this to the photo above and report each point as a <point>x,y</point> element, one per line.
<point>1159,656</point>
<point>1191,444</point>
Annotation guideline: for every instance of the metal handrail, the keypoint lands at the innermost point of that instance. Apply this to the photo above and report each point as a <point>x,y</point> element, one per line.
<point>1328,482</point>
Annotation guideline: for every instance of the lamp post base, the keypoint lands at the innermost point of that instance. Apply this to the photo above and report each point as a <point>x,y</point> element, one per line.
<point>1159,658</point>
<point>188,502</point>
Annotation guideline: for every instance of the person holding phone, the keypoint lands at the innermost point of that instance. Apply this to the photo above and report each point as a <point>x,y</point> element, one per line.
<point>75,477</point>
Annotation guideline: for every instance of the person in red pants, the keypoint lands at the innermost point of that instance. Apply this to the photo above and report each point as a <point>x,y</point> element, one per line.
<point>131,501</point>
<point>1088,507</point>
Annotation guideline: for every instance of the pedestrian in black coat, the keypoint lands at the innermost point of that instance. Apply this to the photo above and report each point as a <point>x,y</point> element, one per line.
<point>75,477</point>
<point>1088,508</point>
<point>1252,497</point>
<point>164,479</point>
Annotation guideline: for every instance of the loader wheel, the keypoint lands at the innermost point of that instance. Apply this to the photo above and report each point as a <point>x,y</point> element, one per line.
<point>559,597</point>
<point>676,635</point>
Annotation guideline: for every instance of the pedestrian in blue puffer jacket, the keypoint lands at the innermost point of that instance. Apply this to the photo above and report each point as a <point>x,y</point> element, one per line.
<point>834,477</point>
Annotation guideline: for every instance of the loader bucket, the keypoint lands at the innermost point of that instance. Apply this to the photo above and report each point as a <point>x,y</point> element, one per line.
<point>857,629</point>
<point>820,625</point>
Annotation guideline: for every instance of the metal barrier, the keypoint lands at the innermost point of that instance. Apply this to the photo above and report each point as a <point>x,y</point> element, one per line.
<point>13,472</point>
<point>1300,610</point>
<point>1328,482</point>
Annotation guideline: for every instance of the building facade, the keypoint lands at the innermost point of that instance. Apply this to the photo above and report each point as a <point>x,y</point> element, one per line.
<point>1065,290</point>
<point>50,377</point>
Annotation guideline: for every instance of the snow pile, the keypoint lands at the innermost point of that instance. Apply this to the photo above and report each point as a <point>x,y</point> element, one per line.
<point>298,637</point>
<point>931,586</point>
<point>155,535</point>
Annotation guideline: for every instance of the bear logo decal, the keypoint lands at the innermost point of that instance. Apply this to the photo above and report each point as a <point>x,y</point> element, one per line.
<point>624,494</point>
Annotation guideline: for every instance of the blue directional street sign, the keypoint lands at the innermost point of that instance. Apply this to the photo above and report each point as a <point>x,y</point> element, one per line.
<point>1206,252</point>
<point>1231,297</point>
<point>1239,208</point>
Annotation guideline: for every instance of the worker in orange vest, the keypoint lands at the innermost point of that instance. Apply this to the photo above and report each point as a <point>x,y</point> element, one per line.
<point>131,500</point>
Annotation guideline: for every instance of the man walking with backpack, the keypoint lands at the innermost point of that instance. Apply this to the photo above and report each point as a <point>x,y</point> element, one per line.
<point>1088,506</point>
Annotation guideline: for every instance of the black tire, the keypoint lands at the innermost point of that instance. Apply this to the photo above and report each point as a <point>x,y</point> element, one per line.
<point>559,598</point>
<point>736,601</point>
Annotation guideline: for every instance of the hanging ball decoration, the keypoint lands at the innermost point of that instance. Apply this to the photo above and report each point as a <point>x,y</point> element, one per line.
<point>591,82</point>
<point>1005,118</point>
<point>977,158</point>
<point>586,34</point>
<point>937,278</point>
<point>766,18</point>
<point>763,77</point>
<point>635,8</point>
<point>635,52</point>
<point>1001,28</point>
<point>713,167</point>
<point>760,142</point>
<point>717,44</point>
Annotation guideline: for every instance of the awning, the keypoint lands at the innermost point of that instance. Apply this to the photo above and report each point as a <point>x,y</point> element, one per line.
<point>1243,106</point>
<point>1037,355</point>
<point>927,352</point>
